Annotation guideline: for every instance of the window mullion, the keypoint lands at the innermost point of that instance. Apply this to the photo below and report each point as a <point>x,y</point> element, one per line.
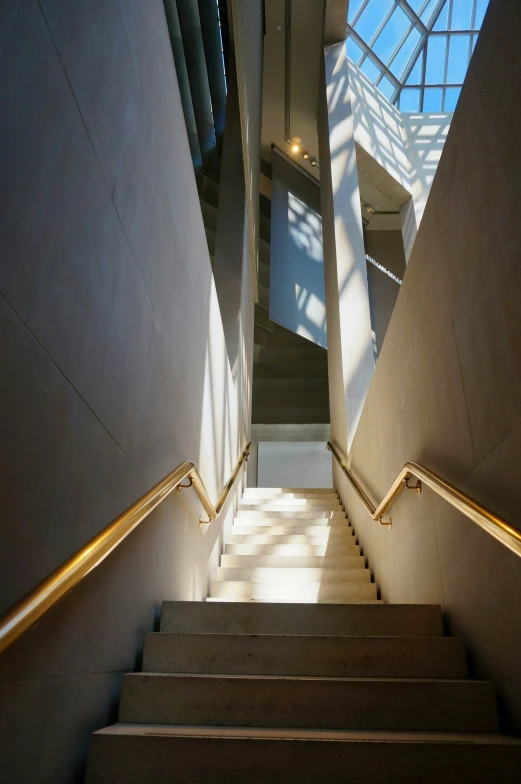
<point>383,23</point>
<point>360,12</point>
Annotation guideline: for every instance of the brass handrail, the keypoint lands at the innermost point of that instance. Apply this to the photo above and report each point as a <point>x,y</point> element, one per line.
<point>33,605</point>
<point>479,514</point>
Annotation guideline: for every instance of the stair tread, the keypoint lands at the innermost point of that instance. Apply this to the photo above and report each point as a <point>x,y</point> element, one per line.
<point>186,730</point>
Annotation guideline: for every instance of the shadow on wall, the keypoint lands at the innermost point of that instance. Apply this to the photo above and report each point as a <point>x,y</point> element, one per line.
<point>447,388</point>
<point>297,298</point>
<point>305,230</point>
<point>114,363</point>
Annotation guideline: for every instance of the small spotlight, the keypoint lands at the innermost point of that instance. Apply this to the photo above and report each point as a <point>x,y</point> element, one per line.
<point>305,156</point>
<point>313,161</point>
<point>295,148</point>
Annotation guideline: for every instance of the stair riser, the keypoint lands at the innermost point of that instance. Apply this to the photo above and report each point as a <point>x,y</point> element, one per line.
<point>346,548</point>
<point>291,499</point>
<point>292,561</point>
<point>293,575</point>
<point>302,515</point>
<point>356,657</point>
<point>294,592</point>
<point>332,544</point>
<point>152,758</point>
<point>324,703</point>
<point>297,504</point>
<point>389,620</point>
<point>322,532</point>
<point>276,522</point>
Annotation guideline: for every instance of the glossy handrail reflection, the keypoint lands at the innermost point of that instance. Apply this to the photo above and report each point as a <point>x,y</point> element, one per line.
<point>37,602</point>
<point>479,514</point>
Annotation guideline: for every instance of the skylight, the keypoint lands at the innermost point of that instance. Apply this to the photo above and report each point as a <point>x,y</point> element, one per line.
<point>415,51</point>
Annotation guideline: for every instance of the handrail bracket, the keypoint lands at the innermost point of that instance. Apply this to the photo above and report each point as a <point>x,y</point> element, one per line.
<point>417,486</point>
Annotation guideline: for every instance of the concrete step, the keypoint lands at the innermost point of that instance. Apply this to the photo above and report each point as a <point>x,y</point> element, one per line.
<point>260,574</point>
<point>289,415</point>
<point>332,703</point>
<point>330,543</point>
<point>318,592</point>
<point>304,514</point>
<point>321,532</point>
<point>388,620</point>
<point>300,655</point>
<point>277,522</point>
<point>293,492</point>
<point>288,504</point>
<point>141,754</point>
<point>318,531</point>
<point>295,561</point>
<point>347,547</point>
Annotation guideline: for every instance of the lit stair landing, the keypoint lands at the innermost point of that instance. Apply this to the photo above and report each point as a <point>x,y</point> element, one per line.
<point>293,672</point>
<point>292,545</point>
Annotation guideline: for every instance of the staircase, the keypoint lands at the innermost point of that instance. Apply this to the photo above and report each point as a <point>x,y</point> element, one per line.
<point>292,671</point>
<point>292,546</point>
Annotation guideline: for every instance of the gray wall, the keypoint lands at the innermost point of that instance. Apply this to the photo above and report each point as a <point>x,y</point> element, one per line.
<point>294,464</point>
<point>385,247</point>
<point>447,388</point>
<point>113,362</point>
<point>297,296</point>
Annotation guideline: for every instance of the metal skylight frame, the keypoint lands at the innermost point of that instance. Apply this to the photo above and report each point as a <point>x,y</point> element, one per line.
<point>419,51</point>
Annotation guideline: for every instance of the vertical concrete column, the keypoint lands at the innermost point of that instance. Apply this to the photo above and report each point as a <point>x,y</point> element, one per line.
<point>230,264</point>
<point>350,338</point>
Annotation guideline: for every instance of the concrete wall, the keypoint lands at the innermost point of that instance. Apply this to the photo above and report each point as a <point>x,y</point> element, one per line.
<point>447,388</point>
<point>293,464</point>
<point>407,146</point>
<point>297,297</point>
<point>385,247</point>
<point>114,363</point>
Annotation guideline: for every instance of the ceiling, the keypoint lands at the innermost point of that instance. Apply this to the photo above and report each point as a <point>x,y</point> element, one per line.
<point>306,44</point>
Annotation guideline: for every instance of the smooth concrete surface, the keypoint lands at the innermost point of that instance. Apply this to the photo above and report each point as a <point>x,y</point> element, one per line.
<point>390,620</point>
<point>125,754</point>
<point>114,362</point>
<point>447,387</point>
<point>304,464</point>
<point>398,152</point>
<point>385,247</point>
<point>299,432</point>
<point>287,546</point>
<point>352,657</point>
<point>259,560</point>
<point>302,522</point>
<point>246,32</point>
<point>350,345</point>
<point>231,260</point>
<point>334,703</point>
<point>297,298</point>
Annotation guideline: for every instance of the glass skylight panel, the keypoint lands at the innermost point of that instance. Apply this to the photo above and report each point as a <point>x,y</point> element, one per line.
<point>427,14</point>
<point>386,87</point>
<point>435,59</point>
<point>392,33</point>
<point>372,17</point>
<point>424,44</point>
<point>457,64</point>
<point>415,77</point>
<point>432,98</point>
<point>410,99</point>
<point>370,69</point>
<point>354,7</point>
<point>354,51</point>
<point>399,63</point>
<point>451,98</point>
<point>481,7</point>
<point>461,17</point>
<point>442,22</point>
